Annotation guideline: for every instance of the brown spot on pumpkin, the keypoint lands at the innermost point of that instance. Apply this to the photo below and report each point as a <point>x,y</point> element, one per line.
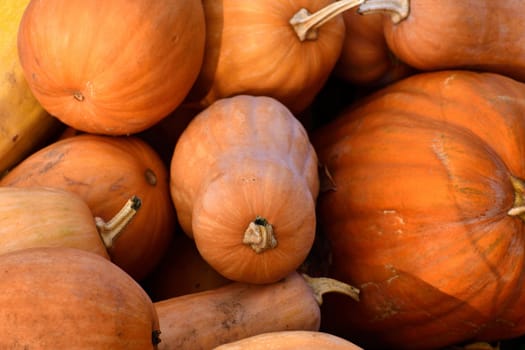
<point>15,138</point>
<point>151,178</point>
<point>10,77</point>
<point>78,96</point>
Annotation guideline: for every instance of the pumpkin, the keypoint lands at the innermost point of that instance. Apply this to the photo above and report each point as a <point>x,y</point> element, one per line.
<point>425,211</point>
<point>181,271</point>
<point>24,124</point>
<point>44,216</point>
<point>207,319</point>
<point>484,35</point>
<point>251,48</point>
<point>306,340</point>
<point>244,182</point>
<point>66,298</point>
<point>105,172</point>
<point>129,65</point>
<point>365,58</point>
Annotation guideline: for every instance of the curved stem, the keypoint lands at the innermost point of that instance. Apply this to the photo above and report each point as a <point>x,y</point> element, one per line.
<point>323,285</point>
<point>259,235</point>
<point>109,231</point>
<point>306,24</point>
<point>398,9</point>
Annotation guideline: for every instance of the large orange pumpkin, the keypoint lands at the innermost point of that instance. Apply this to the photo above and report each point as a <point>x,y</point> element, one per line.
<point>244,183</point>
<point>107,171</point>
<point>111,67</point>
<point>425,213</point>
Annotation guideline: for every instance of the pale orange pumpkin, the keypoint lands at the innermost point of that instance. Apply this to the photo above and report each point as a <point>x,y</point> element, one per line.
<point>111,67</point>
<point>244,183</point>
<point>105,172</point>
<point>46,217</point>
<point>67,298</point>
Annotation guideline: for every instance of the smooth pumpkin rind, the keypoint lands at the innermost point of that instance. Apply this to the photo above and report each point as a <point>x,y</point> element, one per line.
<point>64,298</point>
<point>114,67</point>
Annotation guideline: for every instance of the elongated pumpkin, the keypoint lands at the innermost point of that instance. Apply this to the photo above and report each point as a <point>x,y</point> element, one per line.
<point>24,124</point>
<point>105,172</point>
<point>44,216</point>
<point>66,298</point>
<point>244,183</point>
<point>485,35</point>
<point>425,213</point>
<point>111,67</point>
<point>238,310</point>
<point>284,340</point>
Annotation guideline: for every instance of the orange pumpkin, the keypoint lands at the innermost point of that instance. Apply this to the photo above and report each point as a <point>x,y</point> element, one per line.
<point>244,183</point>
<point>111,67</point>
<point>251,48</point>
<point>365,57</point>
<point>425,214</point>
<point>472,34</point>
<point>66,298</point>
<point>106,171</point>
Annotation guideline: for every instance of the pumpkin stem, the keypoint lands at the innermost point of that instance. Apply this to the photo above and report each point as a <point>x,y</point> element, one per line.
<point>259,235</point>
<point>322,285</point>
<point>306,24</point>
<point>398,9</point>
<point>518,208</point>
<point>111,230</point>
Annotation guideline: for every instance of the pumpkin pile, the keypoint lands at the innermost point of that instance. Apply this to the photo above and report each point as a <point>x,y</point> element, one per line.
<point>225,174</point>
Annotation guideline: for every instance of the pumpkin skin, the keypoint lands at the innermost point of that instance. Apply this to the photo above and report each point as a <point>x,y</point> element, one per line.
<point>417,216</point>
<point>66,298</point>
<point>105,172</point>
<point>252,49</point>
<point>484,35</point>
<point>130,65</point>
<point>243,158</point>
<point>283,340</point>
<point>49,217</point>
<point>239,310</point>
<point>365,57</point>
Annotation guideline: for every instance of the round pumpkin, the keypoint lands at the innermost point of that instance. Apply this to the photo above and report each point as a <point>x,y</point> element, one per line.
<point>106,172</point>
<point>251,48</point>
<point>365,58</point>
<point>244,183</point>
<point>425,211</point>
<point>111,67</point>
<point>66,298</point>
<point>432,35</point>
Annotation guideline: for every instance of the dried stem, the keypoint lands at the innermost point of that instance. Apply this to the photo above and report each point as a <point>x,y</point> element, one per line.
<point>259,235</point>
<point>323,285</point>
<point>109,231</point>
<point>398,9</point>
<point>306,24</point>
